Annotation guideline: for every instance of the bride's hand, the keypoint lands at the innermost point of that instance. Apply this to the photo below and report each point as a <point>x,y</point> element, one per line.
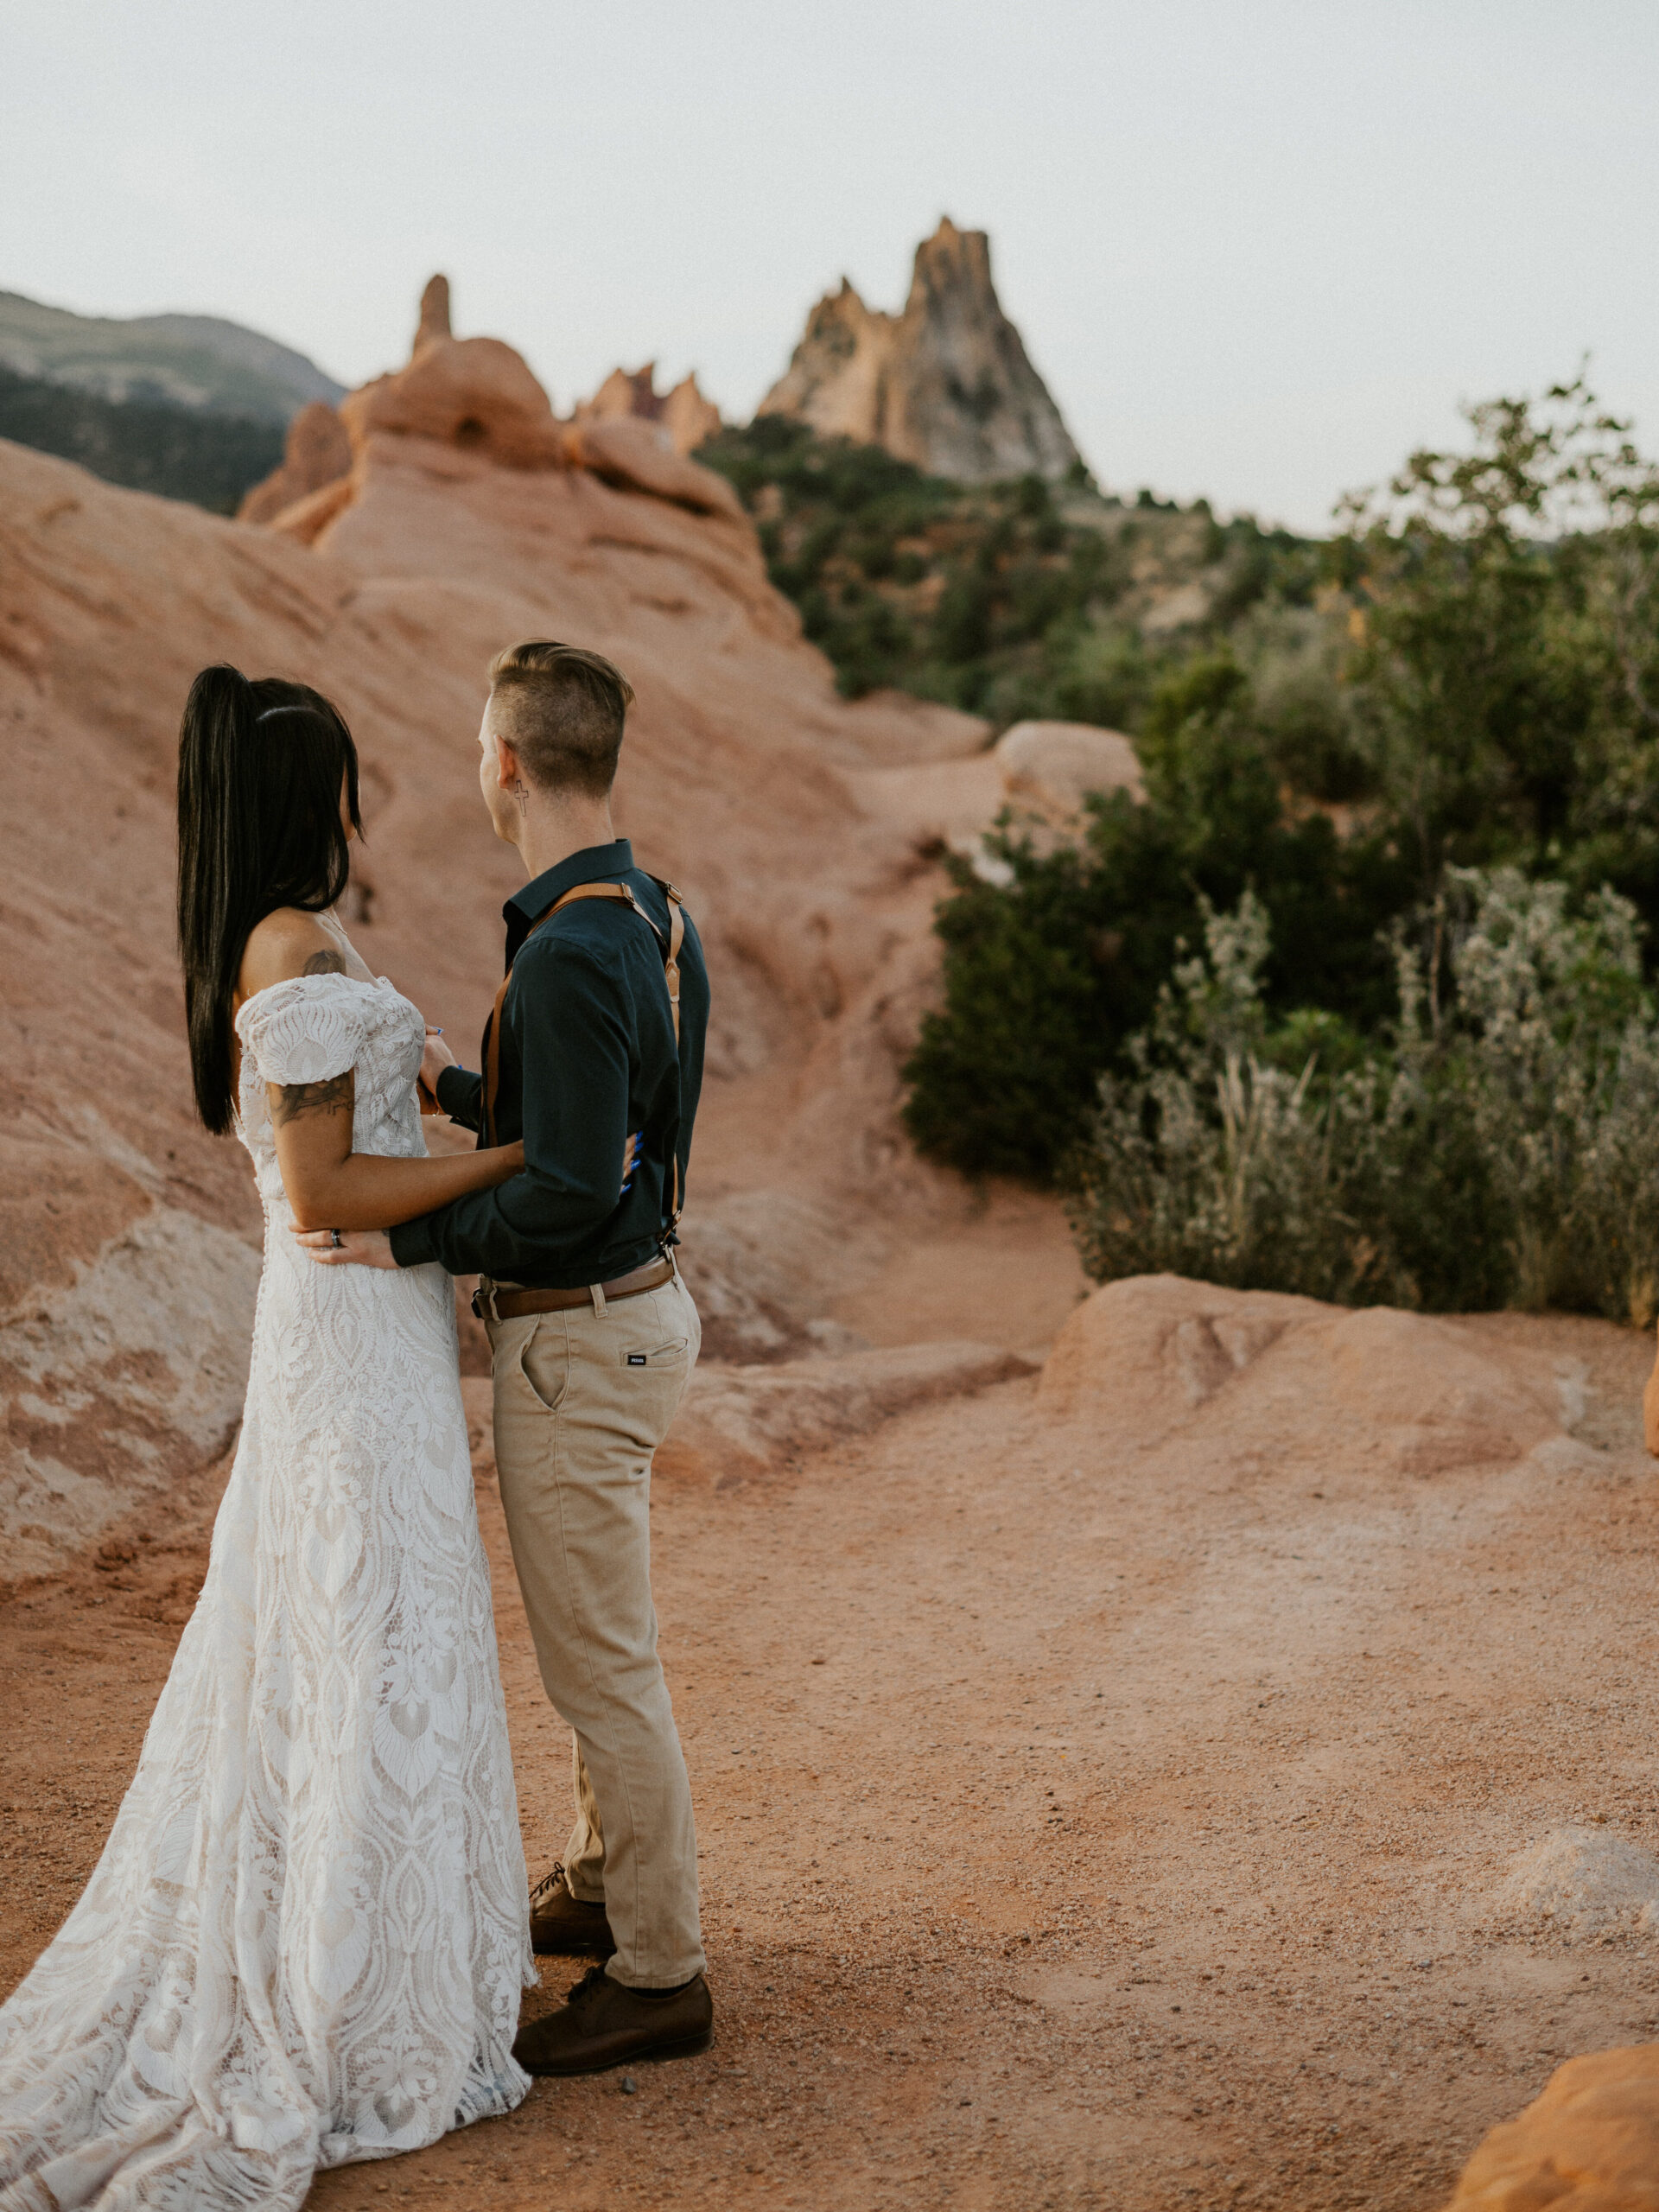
<point>347,1248</point>
<point>434,1058</point>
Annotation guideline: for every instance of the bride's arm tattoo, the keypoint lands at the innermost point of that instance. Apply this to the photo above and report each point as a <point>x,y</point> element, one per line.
<point>325,963</point>
<point>293,1099</point>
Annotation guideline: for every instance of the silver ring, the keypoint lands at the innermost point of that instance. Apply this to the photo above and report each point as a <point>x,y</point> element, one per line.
<point>334,1235</point>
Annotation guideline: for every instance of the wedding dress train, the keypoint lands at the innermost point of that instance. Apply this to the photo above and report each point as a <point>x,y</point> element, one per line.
<point>305,1940</point>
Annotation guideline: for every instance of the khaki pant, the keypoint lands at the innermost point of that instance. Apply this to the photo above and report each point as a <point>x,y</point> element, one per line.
<point>582,1399</point>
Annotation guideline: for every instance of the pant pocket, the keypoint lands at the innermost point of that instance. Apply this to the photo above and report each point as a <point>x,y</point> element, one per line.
<point>544,1363</point>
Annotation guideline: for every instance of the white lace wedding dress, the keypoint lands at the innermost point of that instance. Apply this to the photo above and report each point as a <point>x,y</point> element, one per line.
<point>305,1940</point>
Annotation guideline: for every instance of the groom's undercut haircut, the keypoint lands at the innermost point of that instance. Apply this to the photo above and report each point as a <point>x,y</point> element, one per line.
<point>561,708</point>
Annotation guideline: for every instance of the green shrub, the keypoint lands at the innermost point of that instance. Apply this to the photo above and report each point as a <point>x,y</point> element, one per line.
<point>1552,1045</point>
<point>997,1072</point>
<point>993,598</point>
<point>1046,975</point>
<point>1496,1150</point>
<point>1505,667</point>
<point>1467,676</point>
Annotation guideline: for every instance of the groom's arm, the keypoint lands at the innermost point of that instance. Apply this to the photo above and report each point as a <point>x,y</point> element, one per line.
<point>460,1095</point>
<point>570,1022</point>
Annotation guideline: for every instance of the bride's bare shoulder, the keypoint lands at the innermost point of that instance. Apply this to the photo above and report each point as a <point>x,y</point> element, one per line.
<point>286,944</point>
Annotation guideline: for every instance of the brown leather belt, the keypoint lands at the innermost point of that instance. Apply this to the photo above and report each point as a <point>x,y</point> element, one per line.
<point>513,1305</point>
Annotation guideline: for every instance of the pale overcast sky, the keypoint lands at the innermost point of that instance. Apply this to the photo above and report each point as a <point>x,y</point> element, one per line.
<point>1258,248</point>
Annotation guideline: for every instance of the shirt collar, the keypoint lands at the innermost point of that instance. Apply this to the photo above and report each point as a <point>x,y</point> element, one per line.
<point>594,864</point>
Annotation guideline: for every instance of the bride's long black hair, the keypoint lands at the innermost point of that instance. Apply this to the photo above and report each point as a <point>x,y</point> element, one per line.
<point>261,766</point>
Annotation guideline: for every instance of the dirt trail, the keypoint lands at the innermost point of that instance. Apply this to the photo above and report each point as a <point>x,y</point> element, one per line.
<point>1082,1823</point>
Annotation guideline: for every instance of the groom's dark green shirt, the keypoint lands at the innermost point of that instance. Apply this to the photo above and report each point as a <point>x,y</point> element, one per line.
<point>587,1055</point>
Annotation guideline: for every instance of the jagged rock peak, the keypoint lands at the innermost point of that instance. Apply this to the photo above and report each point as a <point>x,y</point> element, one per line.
<point>947,384</point>
<point>685,416</point>
<point>435,313</point>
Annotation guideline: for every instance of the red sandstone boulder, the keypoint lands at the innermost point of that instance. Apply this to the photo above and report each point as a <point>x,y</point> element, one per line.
<point>476,393</point>
<point>1401,1394</point>
<point>636,456</point>
<point>473,392</point>
<point>318,453</point>
<point>1589,2144</point>
<point>308,519</point>
<point>1050,768</point>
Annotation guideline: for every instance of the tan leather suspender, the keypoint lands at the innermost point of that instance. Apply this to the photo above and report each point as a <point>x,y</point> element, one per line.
<point>670,972</point>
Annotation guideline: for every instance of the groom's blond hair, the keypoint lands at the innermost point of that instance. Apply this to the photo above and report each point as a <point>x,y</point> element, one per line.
<point>561,710</point>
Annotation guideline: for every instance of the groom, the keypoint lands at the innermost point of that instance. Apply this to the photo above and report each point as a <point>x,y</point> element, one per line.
<point>597,1029</point>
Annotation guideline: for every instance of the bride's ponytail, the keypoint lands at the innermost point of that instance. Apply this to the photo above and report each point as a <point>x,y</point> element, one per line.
<point>215,738</point>
<point>262,767</point>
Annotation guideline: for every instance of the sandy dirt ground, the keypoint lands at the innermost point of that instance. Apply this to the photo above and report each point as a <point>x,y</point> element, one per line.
<point>1080,1825</point>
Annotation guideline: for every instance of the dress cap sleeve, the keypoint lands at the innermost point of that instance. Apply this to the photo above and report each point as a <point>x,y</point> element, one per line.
<point>305,1030</point>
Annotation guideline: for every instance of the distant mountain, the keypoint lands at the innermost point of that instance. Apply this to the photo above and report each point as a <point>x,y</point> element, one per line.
<point>149,445</point>
<point>946,385</point>
<point>196,361</point>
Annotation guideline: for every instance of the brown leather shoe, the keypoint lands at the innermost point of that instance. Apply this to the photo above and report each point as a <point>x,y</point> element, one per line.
<point>603,2023</point>
<point>564,1927</point>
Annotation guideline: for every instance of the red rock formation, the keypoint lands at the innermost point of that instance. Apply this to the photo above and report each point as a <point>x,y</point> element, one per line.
<point>129,1237</point>
<point>471,392</point>
<point>946,384</point>
<point>1589,2144</point>
<point>318,453</point>
<point>683,413</point>
<point>308,518</point>
<point>477,395</point>
<point>1050,768</point>
<point>434,314</point>
<point>1163,1356</point>
<point>629,453</point>
<point>687,416</point>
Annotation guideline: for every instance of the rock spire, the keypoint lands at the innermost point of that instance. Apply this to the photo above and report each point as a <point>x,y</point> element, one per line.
<point>946,384</point>
<point>686,417</point>
<point>435,313</point>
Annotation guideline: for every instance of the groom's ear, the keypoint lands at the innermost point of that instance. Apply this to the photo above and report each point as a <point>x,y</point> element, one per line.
<point>508,771</point>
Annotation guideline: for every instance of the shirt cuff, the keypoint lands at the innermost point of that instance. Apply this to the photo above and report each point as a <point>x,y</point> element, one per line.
<point>411,1242</point>
<point>458,1091</point>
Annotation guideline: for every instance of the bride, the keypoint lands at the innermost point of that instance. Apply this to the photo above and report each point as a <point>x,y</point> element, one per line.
<point>306,1937</point>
